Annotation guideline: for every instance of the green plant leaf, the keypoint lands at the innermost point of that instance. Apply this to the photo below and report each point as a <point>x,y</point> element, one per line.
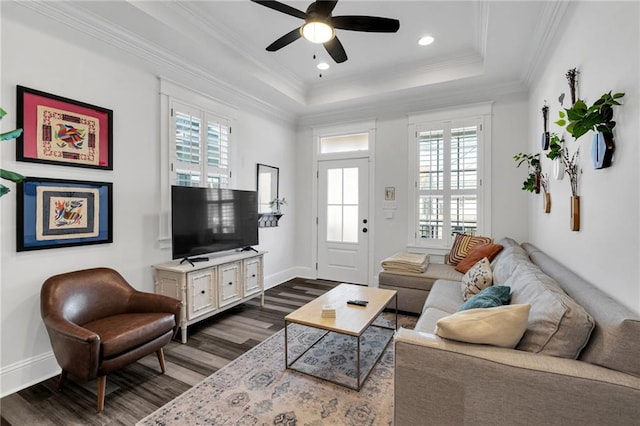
<point>3,190</point>
<point>2,113</point>
<point>561,123</point>
<point>561,114</point>
<point>618,95</point>
<point>12,176</point>
<point>10,135</point>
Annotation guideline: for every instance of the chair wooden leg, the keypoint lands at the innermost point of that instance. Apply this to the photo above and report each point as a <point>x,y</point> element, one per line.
<point>63,377</point>
<point>102,388</point>
<point>160,354</point>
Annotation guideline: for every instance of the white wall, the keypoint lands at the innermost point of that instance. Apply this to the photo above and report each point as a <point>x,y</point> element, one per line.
<point>42,62</point>
<point>606,249</point>
<point>508,203</point>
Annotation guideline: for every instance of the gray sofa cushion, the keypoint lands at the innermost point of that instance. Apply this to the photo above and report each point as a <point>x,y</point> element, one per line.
<point>505,263</point>
<point>615,341</point>
<point>558,326</point>
<point>423,281</point>
<point>445,296</point>
<point>428,320</point>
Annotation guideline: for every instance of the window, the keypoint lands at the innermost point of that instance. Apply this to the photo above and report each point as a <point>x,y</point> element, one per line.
<point>448,181</point>
<point>200,148</point>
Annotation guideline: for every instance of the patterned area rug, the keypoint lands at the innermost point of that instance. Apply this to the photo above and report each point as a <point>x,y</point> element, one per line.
<point>256,389</point>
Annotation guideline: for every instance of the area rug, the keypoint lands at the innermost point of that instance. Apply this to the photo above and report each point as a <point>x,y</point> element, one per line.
<point>256,389</point>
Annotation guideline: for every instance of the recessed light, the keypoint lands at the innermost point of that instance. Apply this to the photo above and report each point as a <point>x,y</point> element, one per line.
<point>426,40</point>
<point>323,66</point>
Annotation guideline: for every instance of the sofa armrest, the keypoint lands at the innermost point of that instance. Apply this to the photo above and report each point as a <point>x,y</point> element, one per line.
<point>454,383</point>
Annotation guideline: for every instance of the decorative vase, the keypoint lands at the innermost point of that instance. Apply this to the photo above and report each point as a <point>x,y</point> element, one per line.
<point>547,202</point>
<point>575,212</point>
<point>602,148</point>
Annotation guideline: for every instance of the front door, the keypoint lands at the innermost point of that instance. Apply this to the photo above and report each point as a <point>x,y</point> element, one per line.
<point>343,216</point>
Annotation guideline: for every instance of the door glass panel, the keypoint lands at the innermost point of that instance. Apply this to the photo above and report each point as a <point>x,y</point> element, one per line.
<point>350,186</point>
<point>342,205</point>
<point>350,224</point>
<point>334,186</point>
<point>346,143</point>
<point>334,223</point>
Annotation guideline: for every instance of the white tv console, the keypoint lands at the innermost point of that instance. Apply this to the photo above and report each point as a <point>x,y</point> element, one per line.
<point>212,286</point>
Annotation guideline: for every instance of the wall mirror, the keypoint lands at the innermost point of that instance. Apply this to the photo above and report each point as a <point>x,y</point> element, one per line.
<point>268,181</point>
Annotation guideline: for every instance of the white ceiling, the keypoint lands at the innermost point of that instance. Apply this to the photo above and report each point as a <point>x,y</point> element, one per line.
<point>482,48</point>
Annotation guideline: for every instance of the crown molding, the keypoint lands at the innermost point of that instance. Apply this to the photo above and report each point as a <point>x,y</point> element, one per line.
<point>162,62</point>
<point>193,19</point>
<point>399,77</point>
<point>543,39</point>
<point>482,8</point>
<point>425,100</point>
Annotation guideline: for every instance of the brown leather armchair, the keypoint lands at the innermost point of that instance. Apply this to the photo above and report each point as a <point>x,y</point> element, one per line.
<point>98,323</point>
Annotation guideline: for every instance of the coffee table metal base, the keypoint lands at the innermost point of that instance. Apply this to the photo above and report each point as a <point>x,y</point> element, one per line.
<point>361,376</point>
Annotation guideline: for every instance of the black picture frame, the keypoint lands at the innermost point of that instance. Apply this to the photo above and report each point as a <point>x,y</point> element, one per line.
<point>63,131</point>
<point>54,213</point>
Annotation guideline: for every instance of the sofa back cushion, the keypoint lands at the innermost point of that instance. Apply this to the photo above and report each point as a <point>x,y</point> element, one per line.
<point>506,262</point>
<point>614,342</point>
<point>558,326</point>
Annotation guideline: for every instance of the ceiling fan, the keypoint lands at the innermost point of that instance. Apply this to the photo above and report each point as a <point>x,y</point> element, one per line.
<point>320,26</point>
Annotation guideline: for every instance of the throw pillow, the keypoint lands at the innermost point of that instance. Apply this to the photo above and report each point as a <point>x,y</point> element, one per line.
<point>462,244</point>
<point>499,326</point>
<point>477,278</point>
<point>490,251</point>
<point>490,297</point>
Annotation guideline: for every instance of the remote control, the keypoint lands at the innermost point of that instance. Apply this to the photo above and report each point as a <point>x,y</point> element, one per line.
<point>357,302</point>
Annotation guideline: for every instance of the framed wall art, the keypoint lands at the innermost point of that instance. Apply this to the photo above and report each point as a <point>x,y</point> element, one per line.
<point>62,131</point>
<point>63,213</point>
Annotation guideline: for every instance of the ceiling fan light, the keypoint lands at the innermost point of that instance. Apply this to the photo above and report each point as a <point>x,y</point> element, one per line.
<point>322,66</point>
<point>426,40</point>
<point>317,32</point>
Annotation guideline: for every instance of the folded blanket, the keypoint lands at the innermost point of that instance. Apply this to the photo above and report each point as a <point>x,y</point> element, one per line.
<point>406,262</point>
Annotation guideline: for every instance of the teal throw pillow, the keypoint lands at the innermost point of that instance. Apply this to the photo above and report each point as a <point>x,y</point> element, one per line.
<point>490,297</point>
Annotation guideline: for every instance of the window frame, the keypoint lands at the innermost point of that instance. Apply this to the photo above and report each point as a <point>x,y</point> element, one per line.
<point>170,91</point>
<point>202,167</point>
<point>479,115</point>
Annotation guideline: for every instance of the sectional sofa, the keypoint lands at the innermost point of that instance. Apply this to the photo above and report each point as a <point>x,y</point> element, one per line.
<point>578,361</point>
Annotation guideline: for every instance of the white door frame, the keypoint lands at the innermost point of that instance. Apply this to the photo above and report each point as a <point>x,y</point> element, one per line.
<point>350,128</point>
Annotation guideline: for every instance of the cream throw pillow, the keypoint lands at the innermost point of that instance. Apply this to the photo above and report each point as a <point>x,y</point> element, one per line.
<point>477,279</point>
<point>500,326</point>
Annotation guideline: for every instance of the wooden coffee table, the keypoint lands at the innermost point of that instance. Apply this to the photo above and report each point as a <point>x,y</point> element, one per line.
<point>350,320</point>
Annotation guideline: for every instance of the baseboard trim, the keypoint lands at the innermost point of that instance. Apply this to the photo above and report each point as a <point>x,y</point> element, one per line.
<point>28,372</point>
<point>273,280</point>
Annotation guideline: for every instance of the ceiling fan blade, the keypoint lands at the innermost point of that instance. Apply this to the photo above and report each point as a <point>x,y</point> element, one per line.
<point>335,50</point>
<point>371,24</point>
<point>286,39</point>
<point>281,7</point>
<point>325,8</point>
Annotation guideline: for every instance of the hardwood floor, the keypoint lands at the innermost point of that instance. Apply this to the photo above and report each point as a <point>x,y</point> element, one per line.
<point>140,389</point>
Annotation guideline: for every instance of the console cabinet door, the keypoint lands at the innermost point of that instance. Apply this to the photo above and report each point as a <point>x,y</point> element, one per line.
<point>201,292</point>
<point>253,282</point>
<point>229,279</point>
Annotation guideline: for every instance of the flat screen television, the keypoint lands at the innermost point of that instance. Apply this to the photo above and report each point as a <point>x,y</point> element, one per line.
<point>208,220</point>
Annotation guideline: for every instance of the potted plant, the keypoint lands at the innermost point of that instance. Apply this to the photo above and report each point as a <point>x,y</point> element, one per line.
<point>6,174</point>
<point>580,118</point>
<point>559,152</point>
<point>276,203</point>
<point>532,182</point>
